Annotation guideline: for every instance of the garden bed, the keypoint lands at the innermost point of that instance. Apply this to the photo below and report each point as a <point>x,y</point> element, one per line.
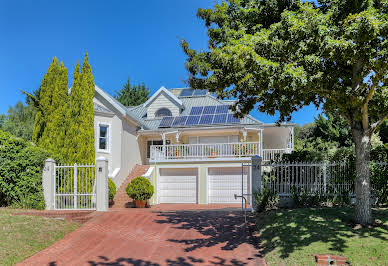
<point>293,237</point>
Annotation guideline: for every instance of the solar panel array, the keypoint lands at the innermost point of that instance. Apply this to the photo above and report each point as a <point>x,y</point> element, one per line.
<point>192,92</point>
<point>201,115</point>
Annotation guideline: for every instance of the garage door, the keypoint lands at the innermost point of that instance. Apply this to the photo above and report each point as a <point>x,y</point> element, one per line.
<point>224,182</point>
<point>177,185</point>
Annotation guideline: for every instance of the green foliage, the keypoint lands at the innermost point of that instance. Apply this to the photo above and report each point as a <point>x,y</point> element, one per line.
<point>266,200</point>
<point>112,189</point>
<point>133,95</point>
<point>21,166</point>
<point>79,142</point>
<point>50,123</point>
<point>140,188</point>
<point>20,120</point>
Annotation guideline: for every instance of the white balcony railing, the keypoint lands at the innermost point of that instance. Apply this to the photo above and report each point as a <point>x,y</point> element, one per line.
<point>204,151</point>
<point>272,154</point>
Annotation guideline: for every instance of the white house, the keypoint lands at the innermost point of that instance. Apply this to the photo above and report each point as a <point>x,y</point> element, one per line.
<point>194,145</point>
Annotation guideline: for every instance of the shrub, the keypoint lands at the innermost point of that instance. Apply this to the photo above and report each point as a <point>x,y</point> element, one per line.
<point>112,189</point>
<point>140,188</point>
<point>21,166</point>
<point>266,200</point>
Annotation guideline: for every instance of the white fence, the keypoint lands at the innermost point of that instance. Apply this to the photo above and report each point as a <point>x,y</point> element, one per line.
<point>74,187</point>
<point>323,178</point>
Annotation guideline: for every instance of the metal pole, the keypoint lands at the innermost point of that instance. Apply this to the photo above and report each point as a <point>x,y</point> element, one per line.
<point>75,186</point>
<point>242,186</point>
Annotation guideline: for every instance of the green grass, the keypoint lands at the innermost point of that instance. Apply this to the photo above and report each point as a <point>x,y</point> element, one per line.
<point>292,237</point>
<point>23,236</point>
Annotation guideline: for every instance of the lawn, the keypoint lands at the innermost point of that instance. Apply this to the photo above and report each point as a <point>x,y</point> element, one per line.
<point>23,236</point>
<point>291,237</point>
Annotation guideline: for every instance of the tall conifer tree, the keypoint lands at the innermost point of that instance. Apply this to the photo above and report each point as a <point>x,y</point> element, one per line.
<point>49,129</point>
<point>80,130</point>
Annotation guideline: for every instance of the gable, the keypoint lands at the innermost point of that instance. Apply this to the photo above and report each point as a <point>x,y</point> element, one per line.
<point>162,101</point>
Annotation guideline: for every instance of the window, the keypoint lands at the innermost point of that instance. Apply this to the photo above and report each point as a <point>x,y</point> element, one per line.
<point>162,112</point>
<point>154,142</point>
<point>103,138</point>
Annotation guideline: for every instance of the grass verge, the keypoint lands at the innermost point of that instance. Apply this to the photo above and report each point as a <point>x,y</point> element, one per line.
<point>292,237</point>
<point>23,236</point>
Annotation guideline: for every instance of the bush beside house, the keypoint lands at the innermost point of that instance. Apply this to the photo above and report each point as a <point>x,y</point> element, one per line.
<point>112,189</point>
<point>21,165</point>
<point>140,189</point>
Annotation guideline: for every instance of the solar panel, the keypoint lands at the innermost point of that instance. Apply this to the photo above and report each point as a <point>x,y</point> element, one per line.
<point>192,120</point>
<point>200,92</point>
<point>209,110</point>
<point>187,92</point>
<point>220,119</point>
<point>166,121</point>
<point>232,119</point>
<point>179,121</point>
<point>197,110</point>
<point>206,119</point>
<point>222,109</point>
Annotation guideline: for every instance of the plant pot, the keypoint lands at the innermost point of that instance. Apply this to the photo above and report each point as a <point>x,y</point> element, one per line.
<point>140,203</point>
<point>111,203</point>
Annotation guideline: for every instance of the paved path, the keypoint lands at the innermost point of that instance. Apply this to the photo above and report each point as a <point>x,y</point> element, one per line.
<point>162,235</point>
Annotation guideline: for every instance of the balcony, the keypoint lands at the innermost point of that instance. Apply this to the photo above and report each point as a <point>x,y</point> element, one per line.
<point>211,152</point>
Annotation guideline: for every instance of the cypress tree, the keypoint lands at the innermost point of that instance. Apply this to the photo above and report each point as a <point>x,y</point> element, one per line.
<point>49,126</point>
<point>80,134</point>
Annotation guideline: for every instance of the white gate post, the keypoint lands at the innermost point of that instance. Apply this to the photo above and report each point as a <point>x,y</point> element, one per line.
<point>48,183</point>
<point>102,202</point>
<point>256,178</point>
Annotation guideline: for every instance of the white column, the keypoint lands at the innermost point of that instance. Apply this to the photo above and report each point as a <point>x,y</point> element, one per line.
<point>260,133</point>
<point>102,189</point>
<point>256,178</point>
<point>48,184</point>
<point>245,135</point>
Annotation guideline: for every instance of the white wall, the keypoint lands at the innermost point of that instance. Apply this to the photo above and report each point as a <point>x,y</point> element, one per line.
<point>276,137</point>
<point>162,101</point>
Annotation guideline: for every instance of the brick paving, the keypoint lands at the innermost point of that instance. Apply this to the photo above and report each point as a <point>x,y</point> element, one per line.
<point>164,234</point>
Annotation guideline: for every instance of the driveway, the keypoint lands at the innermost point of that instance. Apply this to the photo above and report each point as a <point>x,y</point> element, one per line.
<point>161,235</point>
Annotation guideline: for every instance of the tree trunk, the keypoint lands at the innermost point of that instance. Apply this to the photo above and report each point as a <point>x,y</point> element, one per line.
<point>363,211</point>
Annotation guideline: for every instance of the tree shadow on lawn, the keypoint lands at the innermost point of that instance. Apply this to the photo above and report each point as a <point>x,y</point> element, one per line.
<point>289,230</point>
<point>226,227</point>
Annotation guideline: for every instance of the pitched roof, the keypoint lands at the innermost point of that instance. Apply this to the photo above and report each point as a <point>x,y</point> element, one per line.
<point>167,93</point>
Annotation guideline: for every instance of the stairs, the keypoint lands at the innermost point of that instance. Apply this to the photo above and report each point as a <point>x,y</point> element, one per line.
<point>121,199</point>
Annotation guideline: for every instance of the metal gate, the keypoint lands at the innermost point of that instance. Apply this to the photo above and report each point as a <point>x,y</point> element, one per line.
<point>74,187</point>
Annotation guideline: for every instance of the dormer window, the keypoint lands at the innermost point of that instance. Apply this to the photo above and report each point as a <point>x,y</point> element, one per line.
<point>162,112</point>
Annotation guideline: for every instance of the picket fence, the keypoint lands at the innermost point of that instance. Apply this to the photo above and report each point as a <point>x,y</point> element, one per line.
<point>323,178</point>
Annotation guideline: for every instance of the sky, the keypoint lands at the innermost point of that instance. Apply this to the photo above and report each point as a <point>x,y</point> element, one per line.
<point>136,39</point>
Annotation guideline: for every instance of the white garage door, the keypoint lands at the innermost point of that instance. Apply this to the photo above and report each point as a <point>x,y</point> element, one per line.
<point>177,185</point>
<point>224,182</point>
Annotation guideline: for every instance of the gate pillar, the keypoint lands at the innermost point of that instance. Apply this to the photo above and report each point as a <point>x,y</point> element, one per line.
<point>256,178</point>
<point>48,183</point>
<point>102,190</point>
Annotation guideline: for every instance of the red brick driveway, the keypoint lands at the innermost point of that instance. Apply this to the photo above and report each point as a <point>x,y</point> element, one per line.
<point>162,235</point>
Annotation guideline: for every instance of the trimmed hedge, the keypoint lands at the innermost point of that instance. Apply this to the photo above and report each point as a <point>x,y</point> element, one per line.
<point>112,189</point>
<point>21,165</point>
<point>140,188</point>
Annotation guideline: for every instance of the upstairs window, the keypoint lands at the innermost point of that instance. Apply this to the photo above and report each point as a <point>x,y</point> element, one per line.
<point>103,138</point>
<point>162,112</point>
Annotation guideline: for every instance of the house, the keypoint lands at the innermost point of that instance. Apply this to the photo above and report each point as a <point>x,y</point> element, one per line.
<point>193,144</point>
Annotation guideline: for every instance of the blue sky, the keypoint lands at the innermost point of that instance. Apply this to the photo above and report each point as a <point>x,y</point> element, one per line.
<point>139,39</point>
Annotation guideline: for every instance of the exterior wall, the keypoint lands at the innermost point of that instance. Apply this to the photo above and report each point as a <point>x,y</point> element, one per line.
<point>203,182</point>
<point>124,151</point>
<point>162,101</point>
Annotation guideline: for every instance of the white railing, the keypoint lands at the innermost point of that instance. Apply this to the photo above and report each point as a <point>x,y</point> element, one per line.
<point>204,151</point>
<point>272,154</point>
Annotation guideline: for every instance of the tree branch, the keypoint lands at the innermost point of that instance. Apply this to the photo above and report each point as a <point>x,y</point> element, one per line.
<point>374,126</point>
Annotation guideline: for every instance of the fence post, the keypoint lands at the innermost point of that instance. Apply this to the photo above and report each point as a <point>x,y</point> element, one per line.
<point>75,187</point>
<point>256,178</point>
<point>102,202</point>
<point>48,183</point>
<point>324,177</point>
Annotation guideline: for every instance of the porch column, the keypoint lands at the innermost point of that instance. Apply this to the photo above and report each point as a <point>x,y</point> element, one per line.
<point>260,133</point>
<point>164,145</point>
<point>245,135</point>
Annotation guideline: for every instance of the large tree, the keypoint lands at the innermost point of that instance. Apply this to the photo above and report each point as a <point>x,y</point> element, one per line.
<point>283,55</point>
<point>49,125</point>
<point>133,95</point>
<point>79,144</point>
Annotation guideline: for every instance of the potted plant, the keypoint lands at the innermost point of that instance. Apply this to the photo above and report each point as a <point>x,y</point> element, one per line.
<point>140,190</point>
